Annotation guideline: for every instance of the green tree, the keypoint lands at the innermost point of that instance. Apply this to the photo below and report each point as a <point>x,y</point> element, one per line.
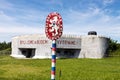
<point>4,45</point>
<point>113,45</point>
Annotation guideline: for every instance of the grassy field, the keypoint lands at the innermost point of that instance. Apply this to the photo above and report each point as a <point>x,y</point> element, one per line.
<point>71,69</point>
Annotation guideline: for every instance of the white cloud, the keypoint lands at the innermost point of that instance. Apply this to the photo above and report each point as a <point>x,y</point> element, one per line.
<point>6,33</point>
<point>4,17</point>
<point>93,19</point>
<point>106,2</point>
<point>5,5</point>
<point>11,25</point>
<point>54,2</point>
<point>20,29</point>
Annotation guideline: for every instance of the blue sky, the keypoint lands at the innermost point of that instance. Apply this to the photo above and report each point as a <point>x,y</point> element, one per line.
<point>18,17</point>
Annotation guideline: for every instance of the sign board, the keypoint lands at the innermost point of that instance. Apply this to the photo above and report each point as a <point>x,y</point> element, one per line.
<point>54,26</point>
<point>53,30</point>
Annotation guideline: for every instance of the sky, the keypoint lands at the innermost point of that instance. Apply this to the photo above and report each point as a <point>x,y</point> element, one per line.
<point>20,17</point>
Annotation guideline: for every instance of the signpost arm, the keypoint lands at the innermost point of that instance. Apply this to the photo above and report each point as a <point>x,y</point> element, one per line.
<point>53,63</point>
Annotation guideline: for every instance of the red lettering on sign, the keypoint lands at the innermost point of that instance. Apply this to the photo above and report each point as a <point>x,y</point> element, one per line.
<point>22,42</point>
<point>66,42</point>
<point>33,41</point>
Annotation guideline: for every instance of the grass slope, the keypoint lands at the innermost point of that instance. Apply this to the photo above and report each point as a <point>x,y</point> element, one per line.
<point>71,69</point>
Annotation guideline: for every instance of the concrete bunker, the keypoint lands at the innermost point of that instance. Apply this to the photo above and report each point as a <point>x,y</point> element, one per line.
<point>68,46</point>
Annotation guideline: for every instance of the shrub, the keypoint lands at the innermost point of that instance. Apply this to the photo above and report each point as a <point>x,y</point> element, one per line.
<point>113,47</point>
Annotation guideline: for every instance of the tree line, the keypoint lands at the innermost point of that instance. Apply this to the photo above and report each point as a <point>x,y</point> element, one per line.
<point>114,48</point>
<point>5,45</point>
<point>113,45</point>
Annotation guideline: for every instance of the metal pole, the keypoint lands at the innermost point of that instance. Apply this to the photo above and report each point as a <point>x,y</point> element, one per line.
<point>53,63</point>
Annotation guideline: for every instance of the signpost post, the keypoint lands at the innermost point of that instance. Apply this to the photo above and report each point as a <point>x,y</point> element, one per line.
<point>53,30</point>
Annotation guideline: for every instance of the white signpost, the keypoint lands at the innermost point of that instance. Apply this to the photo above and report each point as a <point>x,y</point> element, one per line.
<point>53,30</point>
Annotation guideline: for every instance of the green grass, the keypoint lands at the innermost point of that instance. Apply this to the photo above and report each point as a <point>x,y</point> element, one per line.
<point>71,69</point>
